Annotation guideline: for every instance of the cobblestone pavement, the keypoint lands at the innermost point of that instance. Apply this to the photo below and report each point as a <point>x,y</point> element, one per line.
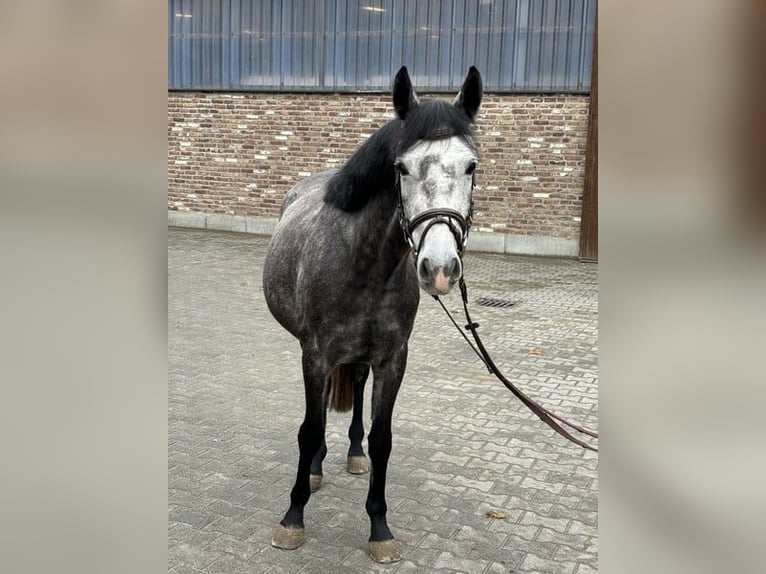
<point>463,445</point>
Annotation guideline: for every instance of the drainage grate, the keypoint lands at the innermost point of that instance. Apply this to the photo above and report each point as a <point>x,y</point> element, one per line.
<point>497,303</point>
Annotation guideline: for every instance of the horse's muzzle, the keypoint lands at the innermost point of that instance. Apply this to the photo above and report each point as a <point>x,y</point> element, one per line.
<point>438,278</point>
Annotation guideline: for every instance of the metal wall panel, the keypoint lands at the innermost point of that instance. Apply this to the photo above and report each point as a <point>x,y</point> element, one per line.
<point>351,45</point>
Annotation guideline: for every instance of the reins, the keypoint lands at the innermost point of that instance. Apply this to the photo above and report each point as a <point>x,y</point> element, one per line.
<point>548,417</point>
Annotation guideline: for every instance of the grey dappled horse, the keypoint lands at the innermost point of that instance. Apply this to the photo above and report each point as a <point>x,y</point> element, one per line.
<point>342,273</point>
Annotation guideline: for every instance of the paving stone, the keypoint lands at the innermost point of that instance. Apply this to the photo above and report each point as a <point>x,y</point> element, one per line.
<point>228,564</point>
<point>195,537</point>
<point>448,562</point>
<point>425,524</point>
<point>409,567</point>
<point>446,543</point>
<point>184,569</point>
<point>586,569</point>
<point>359,561</point>
<point>234,527</point>
<point>431,511</point>
<point>557,524</point>
<point>196,518</point>
<point>578,543</point>
<point>191,555</point>
<point>422,557</point>
<point>534,563</point>
<point>581,528</point>
<point>524,531</point>
<point>463,445</point>
<point>242,550</point>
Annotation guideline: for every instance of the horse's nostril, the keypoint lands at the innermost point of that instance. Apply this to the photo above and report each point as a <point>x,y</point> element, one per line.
<point>423,271</point>
<point>453,270</point>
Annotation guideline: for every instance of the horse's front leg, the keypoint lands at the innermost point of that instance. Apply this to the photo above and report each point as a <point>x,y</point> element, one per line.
<point>289,533</point>
<point>386,380</point>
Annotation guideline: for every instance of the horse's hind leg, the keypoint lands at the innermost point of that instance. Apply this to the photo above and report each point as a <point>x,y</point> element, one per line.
<point>387,378</point>
<point>315,475</point>
<point>356,462</point>
<point>290,531</point>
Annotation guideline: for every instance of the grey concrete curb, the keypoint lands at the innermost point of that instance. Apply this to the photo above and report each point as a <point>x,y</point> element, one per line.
<point>221,222</point>
<point>481,241</point>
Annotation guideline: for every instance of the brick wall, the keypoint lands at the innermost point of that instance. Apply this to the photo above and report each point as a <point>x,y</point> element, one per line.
<point>239,153</point>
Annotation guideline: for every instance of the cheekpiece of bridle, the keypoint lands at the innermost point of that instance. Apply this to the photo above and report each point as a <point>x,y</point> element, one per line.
<point>458,224</point>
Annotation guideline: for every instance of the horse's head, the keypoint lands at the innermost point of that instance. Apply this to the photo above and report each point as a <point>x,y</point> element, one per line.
<point>435,164</point>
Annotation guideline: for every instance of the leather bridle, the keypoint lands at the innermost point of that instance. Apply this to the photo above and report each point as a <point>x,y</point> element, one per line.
<point>458,224</point>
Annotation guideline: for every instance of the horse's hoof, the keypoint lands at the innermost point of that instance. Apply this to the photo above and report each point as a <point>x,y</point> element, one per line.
<point>386,551</point>
<point>287,538</point>
<point>315,481</point>
<point>357,464</point>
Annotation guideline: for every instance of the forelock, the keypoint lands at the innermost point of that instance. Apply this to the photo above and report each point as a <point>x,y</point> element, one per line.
<point>434,119</point>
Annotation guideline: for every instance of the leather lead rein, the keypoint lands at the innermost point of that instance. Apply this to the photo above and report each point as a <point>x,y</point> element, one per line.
<point>548,417</point>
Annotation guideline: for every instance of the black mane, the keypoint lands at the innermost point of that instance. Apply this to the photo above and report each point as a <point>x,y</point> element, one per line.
<point>370,171</point>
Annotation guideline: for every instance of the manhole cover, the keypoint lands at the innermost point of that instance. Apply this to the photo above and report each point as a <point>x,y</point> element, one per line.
<point>497,303</point>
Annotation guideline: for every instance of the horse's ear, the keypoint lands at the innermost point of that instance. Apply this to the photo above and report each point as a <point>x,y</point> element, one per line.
<point>405,99</point>
<point>470,94</point>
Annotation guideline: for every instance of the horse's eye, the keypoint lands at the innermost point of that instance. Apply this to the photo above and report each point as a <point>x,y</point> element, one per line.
<point>471,168</point>
<point>402,170</point>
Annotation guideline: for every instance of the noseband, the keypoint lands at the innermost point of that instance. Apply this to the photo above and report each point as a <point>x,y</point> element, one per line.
<point>458,225</point>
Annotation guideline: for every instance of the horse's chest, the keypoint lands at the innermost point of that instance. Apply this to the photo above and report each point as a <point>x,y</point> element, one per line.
<point>382,315</point>
<point>371,325</point>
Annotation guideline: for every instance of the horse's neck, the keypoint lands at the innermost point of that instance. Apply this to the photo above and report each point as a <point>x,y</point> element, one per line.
<point>380,233</point>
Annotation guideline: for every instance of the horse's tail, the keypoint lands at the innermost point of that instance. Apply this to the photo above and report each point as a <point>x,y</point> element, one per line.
<point>342,388</point>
